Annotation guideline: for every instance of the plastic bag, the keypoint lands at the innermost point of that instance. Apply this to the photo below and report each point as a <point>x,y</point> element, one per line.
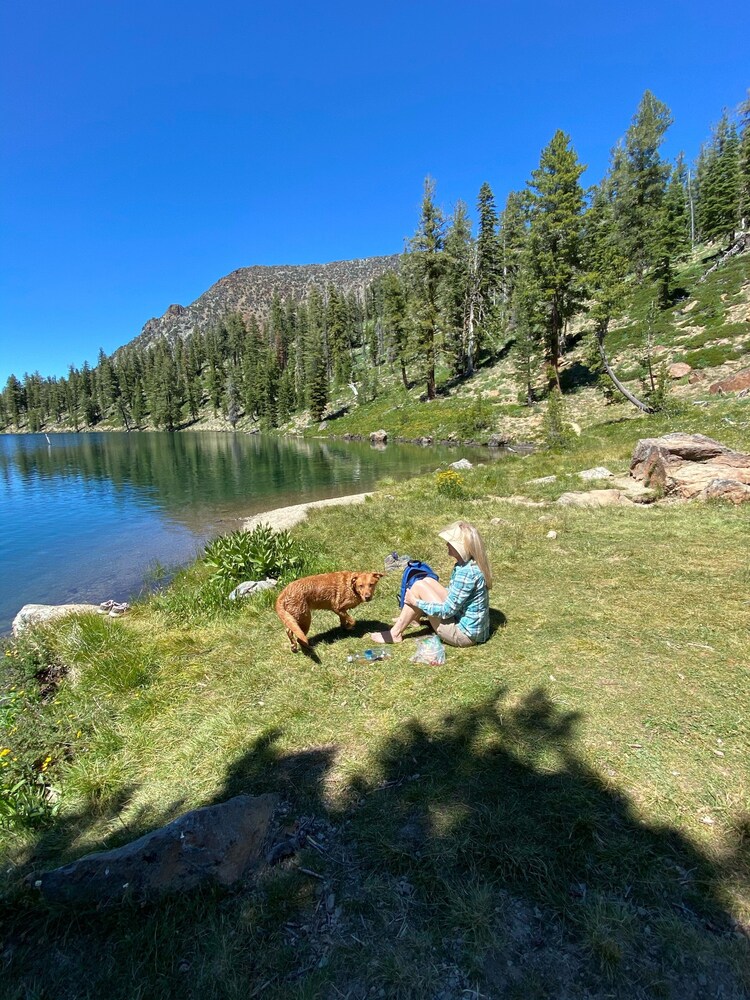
<point>430,651</point>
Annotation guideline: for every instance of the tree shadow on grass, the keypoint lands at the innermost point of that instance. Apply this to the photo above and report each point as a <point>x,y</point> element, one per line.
<point>479,853</point>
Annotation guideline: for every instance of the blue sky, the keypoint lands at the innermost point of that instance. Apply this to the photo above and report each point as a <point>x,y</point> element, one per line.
<point>150,148</point>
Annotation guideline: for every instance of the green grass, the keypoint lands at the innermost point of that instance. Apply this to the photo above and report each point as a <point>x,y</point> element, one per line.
<point>562,812</point>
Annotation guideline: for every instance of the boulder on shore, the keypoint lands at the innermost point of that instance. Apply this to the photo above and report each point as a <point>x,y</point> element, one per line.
<point>379,437</point>
<point>217,844</point>
<point>40,614</point>
<point>692,466</point>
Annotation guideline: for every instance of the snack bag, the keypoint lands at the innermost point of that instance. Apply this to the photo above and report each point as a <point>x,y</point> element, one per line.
<point>430,651</point>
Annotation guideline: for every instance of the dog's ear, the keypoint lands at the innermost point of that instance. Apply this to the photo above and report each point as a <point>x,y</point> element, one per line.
<point>378,576</point>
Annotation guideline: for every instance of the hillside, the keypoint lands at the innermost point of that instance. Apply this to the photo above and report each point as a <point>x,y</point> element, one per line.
<point>707,329</point>
<point>250,291</point>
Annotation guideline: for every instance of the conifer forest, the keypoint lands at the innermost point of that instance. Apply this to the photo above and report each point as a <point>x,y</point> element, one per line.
<point>511,278</point>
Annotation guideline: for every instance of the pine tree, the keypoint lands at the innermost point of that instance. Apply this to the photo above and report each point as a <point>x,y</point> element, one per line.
<point>459,291</point>
<point>672,237</point>
<point>744,168</point>
<point>395,322</point>
<point>719,196</point>
<point>12,395</point>
<point>488,269</point>
<point>555,212</point>
<point>511,240</point>
<point>424,264</point>
<point>639,178</point>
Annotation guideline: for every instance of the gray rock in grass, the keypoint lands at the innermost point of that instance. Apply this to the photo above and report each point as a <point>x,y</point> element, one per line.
<point>217,844</point>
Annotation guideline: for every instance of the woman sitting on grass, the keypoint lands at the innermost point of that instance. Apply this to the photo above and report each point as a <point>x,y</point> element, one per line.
<point>460,615</point>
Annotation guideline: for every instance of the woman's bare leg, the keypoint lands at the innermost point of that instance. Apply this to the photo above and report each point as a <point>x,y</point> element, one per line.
<point>423,590</point>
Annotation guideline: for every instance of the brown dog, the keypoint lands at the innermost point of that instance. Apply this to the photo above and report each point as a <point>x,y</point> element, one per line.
<point>335,592</point>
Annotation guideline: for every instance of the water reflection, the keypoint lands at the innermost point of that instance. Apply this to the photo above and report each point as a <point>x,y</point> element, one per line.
<point>85,516</point>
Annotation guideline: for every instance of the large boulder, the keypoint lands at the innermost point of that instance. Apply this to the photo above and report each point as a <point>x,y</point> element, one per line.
<point>379,437</point>
<point>217,844</point>
<point>40,614</point>
<point>679,369</point>
<point>690,466</point>
<point>732,383</point>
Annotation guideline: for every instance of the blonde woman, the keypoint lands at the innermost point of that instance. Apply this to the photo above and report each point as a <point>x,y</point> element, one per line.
<point>461,614</point>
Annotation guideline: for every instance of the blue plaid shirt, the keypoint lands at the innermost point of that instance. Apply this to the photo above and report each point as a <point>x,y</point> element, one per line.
<point>467,601</point>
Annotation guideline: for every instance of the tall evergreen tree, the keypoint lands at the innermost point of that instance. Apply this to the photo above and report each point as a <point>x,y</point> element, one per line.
<point>424,264</point>
<point>639,179</point>
<point>672,237</point>
<point>459,291</point>
<point>488,267</point>
<point>719,198</point>
<point>555,212</point>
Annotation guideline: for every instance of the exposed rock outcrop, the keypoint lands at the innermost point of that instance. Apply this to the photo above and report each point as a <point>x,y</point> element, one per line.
<point>732,383</point>
<point>692,466</point>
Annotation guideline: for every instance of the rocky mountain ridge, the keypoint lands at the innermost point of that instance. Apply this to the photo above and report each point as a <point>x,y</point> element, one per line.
<point>250,291</point>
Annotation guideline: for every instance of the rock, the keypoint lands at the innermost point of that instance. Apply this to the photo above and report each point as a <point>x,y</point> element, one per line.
<point>462,463</point>
<point>726,489</point>
<point>597,473</point>
<point>696,376</point>
<point>542,481</point>
<point>687,466</point>
<point>425,441</point>
<point>216,844</point>
<point>693,447</point>
<point>594,498</point>
<point>552,534</point>
<point>322,425</point>
<point>659,349</point>
<point>251,587</point>
<point>496,441</point>
<point>733,383</point>
<point>576,428</point>
<point>40,614</point>
<point>379,437</point>
<point>679,369</point>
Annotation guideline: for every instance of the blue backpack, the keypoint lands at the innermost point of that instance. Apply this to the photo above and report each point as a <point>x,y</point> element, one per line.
<point>415,570</point>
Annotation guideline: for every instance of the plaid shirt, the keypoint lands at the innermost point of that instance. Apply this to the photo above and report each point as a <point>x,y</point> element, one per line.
<point>467,601</point>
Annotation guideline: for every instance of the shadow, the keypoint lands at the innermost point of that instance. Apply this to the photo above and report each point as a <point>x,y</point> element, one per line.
<point>338,634</point>
<point>482,848</point>
<point>341,412</point>
<point>577,376</point>
<point>497,620</point>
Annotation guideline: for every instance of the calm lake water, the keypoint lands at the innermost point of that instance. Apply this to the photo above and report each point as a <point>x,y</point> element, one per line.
<point>88,517</point>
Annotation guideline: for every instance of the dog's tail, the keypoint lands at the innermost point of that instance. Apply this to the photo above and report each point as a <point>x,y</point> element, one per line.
<point>290,622</point>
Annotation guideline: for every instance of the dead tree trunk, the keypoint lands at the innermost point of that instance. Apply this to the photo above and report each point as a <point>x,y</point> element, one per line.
<point>600,333</point>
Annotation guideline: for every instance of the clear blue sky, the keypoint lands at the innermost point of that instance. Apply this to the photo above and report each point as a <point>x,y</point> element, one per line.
<point>150,148</point>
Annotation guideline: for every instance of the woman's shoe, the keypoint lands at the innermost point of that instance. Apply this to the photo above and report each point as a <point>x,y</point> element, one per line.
<point>118,609</point>
<point>105,607</point>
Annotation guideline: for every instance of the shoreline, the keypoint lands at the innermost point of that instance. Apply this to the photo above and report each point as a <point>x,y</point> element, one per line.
<point>283,518</point>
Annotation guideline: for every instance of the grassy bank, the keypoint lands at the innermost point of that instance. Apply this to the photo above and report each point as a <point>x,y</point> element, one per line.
<point>562,812</point>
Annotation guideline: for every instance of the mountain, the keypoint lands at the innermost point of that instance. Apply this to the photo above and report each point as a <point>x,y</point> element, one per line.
<point>250,291</point>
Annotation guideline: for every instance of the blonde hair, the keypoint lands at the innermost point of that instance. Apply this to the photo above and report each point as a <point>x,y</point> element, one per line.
<point>467,541</point>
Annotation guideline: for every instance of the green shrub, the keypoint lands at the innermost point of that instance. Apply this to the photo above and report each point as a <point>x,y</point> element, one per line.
<point>711,357</point>
<point>478,416</point>
<point>254,555</point>
<point>450,483</point>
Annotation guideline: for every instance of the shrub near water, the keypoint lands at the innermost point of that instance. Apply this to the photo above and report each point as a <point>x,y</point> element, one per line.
<point>254,555</point>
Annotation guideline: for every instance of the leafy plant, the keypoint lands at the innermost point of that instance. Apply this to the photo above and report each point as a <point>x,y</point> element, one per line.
<point>254,555</point>
<point>479,416</point>
<point>451,484</point>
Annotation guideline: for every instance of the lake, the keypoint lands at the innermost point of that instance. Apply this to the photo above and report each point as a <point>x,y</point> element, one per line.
<point>87,517</point>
